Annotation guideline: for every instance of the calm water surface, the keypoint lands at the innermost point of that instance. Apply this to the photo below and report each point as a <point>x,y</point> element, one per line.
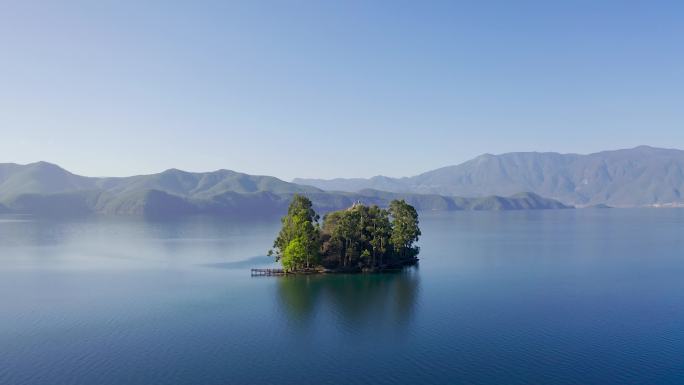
<point>546,297</point>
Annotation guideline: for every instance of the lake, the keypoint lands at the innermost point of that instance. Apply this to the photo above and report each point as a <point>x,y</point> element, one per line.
<point>526,297</point>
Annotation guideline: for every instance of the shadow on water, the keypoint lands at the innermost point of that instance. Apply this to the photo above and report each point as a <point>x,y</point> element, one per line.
<point>356,300</point>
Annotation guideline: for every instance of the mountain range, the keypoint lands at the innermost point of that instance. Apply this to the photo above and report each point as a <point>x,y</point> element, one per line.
<point>46,189</point>
<point>641,176</point>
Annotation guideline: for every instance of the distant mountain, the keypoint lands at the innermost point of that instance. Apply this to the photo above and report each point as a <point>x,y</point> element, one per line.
<point>47,178</point>
<point>39,178</point>
<point>642,176</point>
<point>48,190</point>
<point>433,202</point>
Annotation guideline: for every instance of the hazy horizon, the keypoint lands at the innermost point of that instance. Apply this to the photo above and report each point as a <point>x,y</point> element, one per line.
<point>318,90</point>
<point>333,177</point>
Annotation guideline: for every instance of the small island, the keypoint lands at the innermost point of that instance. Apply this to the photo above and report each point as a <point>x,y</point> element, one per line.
<point>359,239</point>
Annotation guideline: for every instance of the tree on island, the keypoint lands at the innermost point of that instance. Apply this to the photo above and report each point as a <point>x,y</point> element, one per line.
<point>405,230</point>
<point>360,238</point>
<point>298,243</point>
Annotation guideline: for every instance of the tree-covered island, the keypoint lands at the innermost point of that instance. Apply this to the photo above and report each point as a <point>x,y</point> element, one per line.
<point>358,239</point>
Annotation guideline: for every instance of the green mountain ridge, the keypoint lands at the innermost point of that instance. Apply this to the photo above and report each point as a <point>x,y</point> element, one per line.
<point>45,189</point>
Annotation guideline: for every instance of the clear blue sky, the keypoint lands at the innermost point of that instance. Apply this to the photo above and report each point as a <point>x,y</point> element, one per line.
<point>328,89</point>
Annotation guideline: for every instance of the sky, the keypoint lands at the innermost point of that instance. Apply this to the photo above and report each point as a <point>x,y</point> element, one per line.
<point>333,89</point>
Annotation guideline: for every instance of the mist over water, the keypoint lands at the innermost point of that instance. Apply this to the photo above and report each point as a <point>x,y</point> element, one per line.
<point>529,297</point>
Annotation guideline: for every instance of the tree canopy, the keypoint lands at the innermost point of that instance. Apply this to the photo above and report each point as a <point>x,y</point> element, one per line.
<point>298,243</point>
<point>358,238</point>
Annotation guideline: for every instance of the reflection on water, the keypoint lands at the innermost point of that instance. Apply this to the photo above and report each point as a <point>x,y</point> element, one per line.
<point>357,300</point>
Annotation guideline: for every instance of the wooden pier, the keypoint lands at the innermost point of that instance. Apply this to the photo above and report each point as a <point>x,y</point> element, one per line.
<point>267,272</point>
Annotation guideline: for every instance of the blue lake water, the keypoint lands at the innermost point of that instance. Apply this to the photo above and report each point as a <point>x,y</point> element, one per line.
<point>536,297</point>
